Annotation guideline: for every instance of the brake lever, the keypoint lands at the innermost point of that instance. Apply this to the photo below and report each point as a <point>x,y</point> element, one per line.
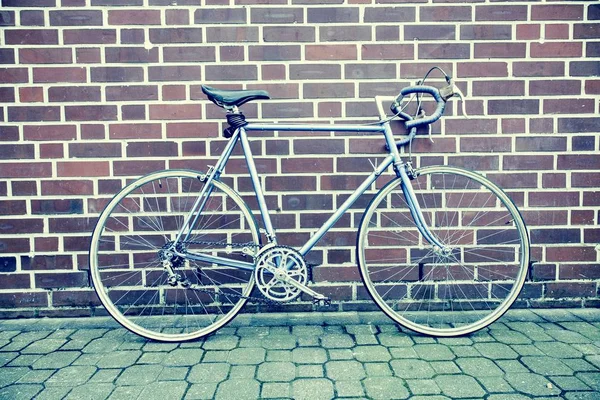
<point>452,90</point>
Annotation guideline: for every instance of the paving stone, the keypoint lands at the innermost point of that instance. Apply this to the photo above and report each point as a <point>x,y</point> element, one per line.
<point>341,354</point>
<point>445,367</point>
<point>510,337</point>
<point>309,355</point>
<point>365,339</point>
<point>371,353</point>
<point>10,375</point>
<point>252,331</point>
<point>556,315</point>
<point>49,393</point>
<point>275,390</point>
<point>349,389</point>
<point>532,384</point>
<point>307,330</point>
<point>336,341</point>
<point>423,386</point>
<point>59,359</point>
<point>151,358</point>
<point>309,371</point>
<point>119,359</point>
<point>479,367</point>
<point>527,350</point>
<point>546,366</point>
<point>88,359</point>
<point>164,390</point>
<point>386,387</point>
<point>434,352</point>
<point>248,355</point>
<point>495,384</point>
<point>208,372</point>
<point>7,335</point>
<point>581,396</point>
<point>592,379</point>
<point>173,374</point>
<point>459,386</point>
<point>566,336</point>
<point>344,370</point>
<point>220,342</point>
<point>412,369</point>
<point>37,376</point>
<point>532,330</point>
<point>201,391</point>
<point>25,391</point>
<point>44,346</point>
<point>239,389</point>
<point>508,397</point>
<point>216,356</point>
<point>242,371</point>
<point>105,376</point>
<point>308,341</point>
<point>285,342</point>
<point>183,357</point>
<point>558,350</point>
<point>279,355</point>
<point>161,347</point>
<point>579,365</point>
<point>377,369</point>
<point>567,383</point>
<point>403,352</point>
<point>512,366</point>
<point>25,360</point>
<point>102,345</point>
<point>71,376</point>
<point>464,351</point>
<point>5,358</point>
<point>423,340</point>
<point>126,392</point>
<point>312,389</point>
<point>250,341</point>
<point>276,372</point>
<point>91,391</point>
<point>586,329</point>
<point>586,348</point>
<point>496,351</point>
<point>139,375</point>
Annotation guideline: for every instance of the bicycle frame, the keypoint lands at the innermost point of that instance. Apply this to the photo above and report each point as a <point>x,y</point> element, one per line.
<point>240,135</point>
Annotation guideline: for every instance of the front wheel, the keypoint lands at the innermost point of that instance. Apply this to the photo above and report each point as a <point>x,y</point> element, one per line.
<point>141,276</point>
<point>452,290</point>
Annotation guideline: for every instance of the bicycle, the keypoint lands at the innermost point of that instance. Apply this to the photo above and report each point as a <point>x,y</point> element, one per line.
<point>441,250</point>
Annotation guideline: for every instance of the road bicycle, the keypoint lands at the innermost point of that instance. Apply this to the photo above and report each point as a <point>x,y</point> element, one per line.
<point>441,250</point>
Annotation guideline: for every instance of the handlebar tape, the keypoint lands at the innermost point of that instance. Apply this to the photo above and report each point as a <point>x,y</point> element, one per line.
<point>435,93</point>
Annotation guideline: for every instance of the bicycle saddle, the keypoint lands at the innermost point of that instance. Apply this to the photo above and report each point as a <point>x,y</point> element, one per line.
<point>230,98</point>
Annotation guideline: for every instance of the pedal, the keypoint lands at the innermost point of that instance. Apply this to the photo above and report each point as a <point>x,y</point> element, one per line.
<point>323,302</point>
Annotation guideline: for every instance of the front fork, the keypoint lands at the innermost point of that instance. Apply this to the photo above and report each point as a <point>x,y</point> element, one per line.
<point>406,174</point>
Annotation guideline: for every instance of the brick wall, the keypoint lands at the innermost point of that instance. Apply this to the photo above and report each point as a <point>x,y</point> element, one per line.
<point>93,92</point>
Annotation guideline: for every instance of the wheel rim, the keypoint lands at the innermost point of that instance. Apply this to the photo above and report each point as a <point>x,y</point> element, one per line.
<point>128,249</point>
<point>484,258</point>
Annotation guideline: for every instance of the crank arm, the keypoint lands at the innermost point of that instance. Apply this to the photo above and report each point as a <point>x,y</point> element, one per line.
<point>307,290</point>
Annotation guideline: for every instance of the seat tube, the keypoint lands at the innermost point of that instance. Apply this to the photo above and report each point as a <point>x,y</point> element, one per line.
<point>260,197</point>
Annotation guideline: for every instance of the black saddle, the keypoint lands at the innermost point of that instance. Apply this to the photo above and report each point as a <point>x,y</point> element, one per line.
<point>231,98</point>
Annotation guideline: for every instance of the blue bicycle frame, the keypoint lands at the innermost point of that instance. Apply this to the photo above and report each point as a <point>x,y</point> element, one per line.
<point>240,135</point>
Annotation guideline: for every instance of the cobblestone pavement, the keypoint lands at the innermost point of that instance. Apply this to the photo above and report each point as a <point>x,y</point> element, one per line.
<point>542,354</point>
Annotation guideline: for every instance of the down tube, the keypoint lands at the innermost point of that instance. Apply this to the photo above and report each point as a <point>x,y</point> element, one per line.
<point>347,204</point>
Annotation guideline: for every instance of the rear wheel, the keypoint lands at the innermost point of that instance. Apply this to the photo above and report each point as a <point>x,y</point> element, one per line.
<point>139,278</point>
<point>457,289</point>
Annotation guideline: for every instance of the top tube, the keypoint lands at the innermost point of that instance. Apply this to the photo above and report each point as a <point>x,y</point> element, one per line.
<point>380,127</point>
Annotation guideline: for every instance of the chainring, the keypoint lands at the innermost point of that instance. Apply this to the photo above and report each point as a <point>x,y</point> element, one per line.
<point>274,266</point>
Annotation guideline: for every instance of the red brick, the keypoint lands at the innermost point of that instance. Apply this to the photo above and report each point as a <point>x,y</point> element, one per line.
<point>7,95</point>
<point>553,199</point>
<point>541,143</point>
<point>51,150</point>
<point>134,17</point>
<point>61,280</point>
<point>57,206</point>
<point>88,56</point>
<point>20,299</point>
<point>59,74</point>
<point>285,184</point>
<point>445,13</point>
<point>232,53</point>
<point>133,36</point>
<point>175,111</point>
<point>330,52</point>
<point>501,13</point>
<point>220,16</point>
<point>83,168</point>
<point>152,149</point>
<point>137,167</point>
<point>570,289</point>
<point>274,53</point>
<point>192,130</point>
<point>13,75</point>
<point>319,146</point>
<point>528,32</point>
<point>174,73</point>
<point>13,207</point>
<point>499,88</point>
<point>135,131</point>
<point>94,150</point>
<point>586,31</point>
<point>328,90</point>
<point>175,35</point>
<point>32,18</point>
<point>562,12</point>
<point>281,34</point>
<point>91,113</point>
<point>131,55</point>
<point>317,165</point>
<point>131,93</point>
<point>556,49</point>
<point>25,170</point>
<point>16,151</point>
<point>189,53</point>
<point>133,112</point>
<point>332,14</point>
<point>49,132</point>
<point>71,94</point>
<point>513,106</point>
<point>7,56</point>
<point>76,18</point>
<point>75,187</point>
<point>231,72</point>
<point>480,144</point>
<point>9,134</point>
<point>177,17</point>
<point>500,50</point>
<point>569,106</point>
<point>46,263</point>
<point>117,74</point>
<point>45,56</point>
<point>482,69</point>
<point>31,36</point>
<point>557,31</point>
<point>585,180</point>
<point>33,113</point>
<point>387,52</point>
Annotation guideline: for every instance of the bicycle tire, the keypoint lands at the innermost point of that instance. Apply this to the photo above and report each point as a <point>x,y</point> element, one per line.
<point>126,254</point>
<point>444,292</point>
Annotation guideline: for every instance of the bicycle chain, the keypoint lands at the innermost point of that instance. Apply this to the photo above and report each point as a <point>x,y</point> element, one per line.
<point>263,300</point>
